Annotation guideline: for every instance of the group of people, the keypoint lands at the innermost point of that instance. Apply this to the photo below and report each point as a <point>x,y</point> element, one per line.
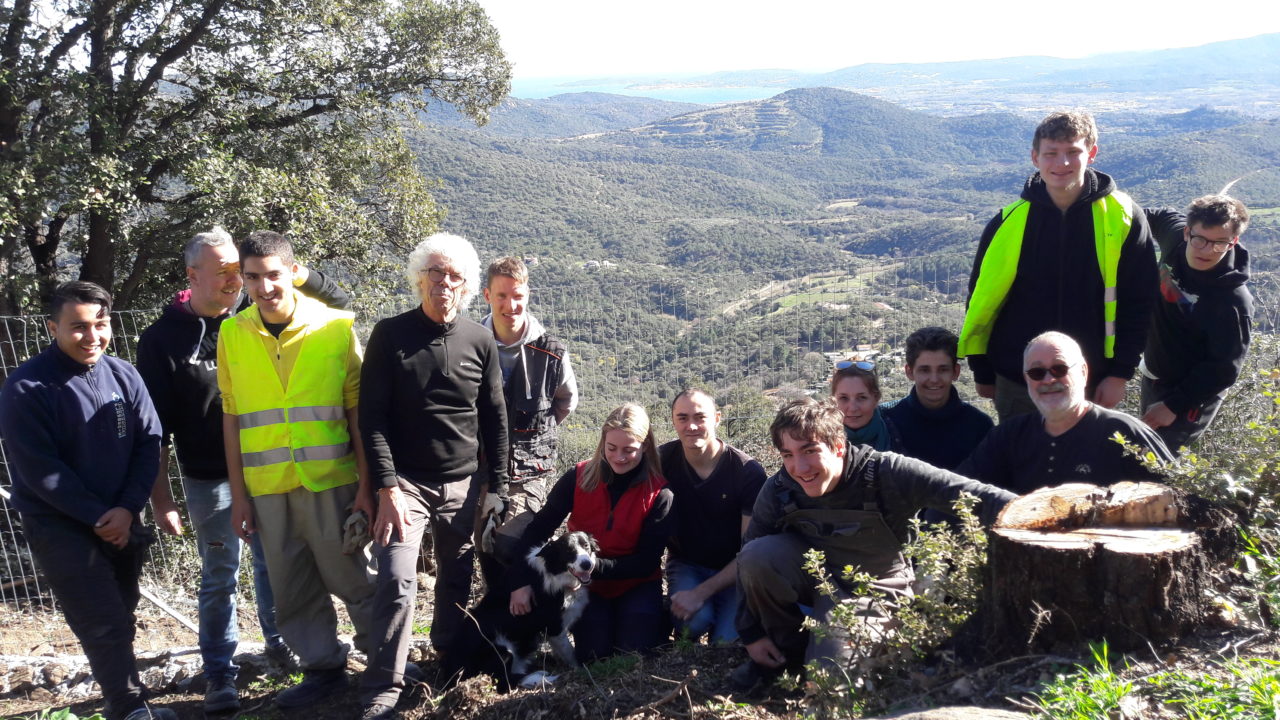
<point>294,440</point>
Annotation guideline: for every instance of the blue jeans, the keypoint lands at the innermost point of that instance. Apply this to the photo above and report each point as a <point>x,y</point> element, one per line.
<point>209,505</point>
<point>716,616</point>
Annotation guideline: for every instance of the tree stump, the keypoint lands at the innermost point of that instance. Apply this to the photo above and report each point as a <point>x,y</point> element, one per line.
<point>1078,562</point>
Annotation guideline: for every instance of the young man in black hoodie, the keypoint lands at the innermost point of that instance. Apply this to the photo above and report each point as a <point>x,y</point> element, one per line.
<point>177,357</point>
<point>1075,255</point>
<point>1200,325</point>
<point>82,438</point>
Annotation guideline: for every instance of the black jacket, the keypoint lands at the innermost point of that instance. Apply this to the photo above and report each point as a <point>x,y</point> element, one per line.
<point>1200,324</point>
<point>1059,286</point>
<point>430,397</point>
<point>178,359</point>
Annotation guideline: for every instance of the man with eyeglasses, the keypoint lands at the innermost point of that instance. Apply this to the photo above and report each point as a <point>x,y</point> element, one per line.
<point>430,403</point>
<point>1069,439</point>
<point>1200,326</point>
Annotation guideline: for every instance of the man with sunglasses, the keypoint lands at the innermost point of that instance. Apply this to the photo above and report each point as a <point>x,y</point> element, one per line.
<point>1069,439</point>
<point>1200,326</point>
<point>431,402</point>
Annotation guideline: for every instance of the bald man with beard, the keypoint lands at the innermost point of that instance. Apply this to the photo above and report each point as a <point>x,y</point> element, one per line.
<point>1068,439</point>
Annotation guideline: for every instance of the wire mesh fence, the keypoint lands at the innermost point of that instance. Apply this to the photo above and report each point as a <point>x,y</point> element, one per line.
<point>630,339</point>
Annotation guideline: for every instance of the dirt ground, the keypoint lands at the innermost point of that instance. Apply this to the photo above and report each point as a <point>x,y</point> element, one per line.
<point>690,681</point>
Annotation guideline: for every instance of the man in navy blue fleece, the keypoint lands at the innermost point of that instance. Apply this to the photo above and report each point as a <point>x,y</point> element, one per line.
<point>83,441</point>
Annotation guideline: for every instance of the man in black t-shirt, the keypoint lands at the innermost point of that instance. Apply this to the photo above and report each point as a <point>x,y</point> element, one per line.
<point>715,487</point>
<point>1069,439</point>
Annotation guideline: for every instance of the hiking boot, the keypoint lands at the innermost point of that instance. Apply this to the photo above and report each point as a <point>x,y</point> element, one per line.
<point>751,675</point>
<point>150,713</point>
<point>316,685</point>
<point>221,695</point>
<point>281,656</point>
<point>377,711</point>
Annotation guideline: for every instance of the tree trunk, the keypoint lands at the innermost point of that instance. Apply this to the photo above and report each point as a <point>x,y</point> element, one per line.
<point>1129,563</point>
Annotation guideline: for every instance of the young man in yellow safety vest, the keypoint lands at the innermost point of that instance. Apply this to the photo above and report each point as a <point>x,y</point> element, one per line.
<point>1075,255</point>
<point>289,374</point>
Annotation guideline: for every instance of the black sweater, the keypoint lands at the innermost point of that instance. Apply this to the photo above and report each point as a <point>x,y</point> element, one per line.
<point>430,398</point>
<point>178,360</point>
<point>1200,325</point>
<point>1059,287</point>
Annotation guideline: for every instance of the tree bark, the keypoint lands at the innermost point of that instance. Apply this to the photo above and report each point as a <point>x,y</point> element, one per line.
<point>1078,563</point>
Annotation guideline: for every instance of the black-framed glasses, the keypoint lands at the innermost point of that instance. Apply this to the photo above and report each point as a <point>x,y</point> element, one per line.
<point>1058,372</point>
<point>436,275</point>
<point>1201,242</point>
<point>860,364</point>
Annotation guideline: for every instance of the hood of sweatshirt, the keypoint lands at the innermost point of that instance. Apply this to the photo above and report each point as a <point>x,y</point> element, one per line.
<point>1230,273</point>
<point>1096,185</point>
<point>532,330</point>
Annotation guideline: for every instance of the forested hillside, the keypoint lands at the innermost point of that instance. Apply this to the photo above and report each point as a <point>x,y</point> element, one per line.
<point>859,217</point>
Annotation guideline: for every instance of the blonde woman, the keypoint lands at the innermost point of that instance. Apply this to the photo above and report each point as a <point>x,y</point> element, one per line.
<point>620,498</point>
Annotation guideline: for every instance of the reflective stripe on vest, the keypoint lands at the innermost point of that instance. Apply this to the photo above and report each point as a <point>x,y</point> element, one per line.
<point>296,436</point>
<point>1111,223</point>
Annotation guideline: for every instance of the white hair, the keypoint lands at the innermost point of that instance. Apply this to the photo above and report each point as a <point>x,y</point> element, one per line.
<point>1065,343</point>
<point>215,237</point>
<point>460,253</point>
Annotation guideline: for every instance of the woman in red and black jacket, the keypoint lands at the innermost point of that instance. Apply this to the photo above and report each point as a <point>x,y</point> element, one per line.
<point>620,498</point>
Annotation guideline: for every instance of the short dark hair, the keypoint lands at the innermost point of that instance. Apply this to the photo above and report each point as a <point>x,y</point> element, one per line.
<point>78,292</point>
<point>1219,211</point>
<point>932,339</point>
<point>809,419</point>
<point>266,243</point>
<point>1066,126</point>
<point>690,392</point>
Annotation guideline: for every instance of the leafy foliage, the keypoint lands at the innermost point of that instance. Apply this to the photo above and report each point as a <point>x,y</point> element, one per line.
<point>126,126</point>
<point>949,564</point>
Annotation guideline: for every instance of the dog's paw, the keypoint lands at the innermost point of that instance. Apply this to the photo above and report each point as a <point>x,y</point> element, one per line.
<point>538,679</point>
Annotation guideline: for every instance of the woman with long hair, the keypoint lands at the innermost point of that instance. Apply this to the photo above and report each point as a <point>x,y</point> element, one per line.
<point>620,498</point>
<point>856,390</point>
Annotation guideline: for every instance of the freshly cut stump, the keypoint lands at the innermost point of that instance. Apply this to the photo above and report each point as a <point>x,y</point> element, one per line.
<point>1079,562</point>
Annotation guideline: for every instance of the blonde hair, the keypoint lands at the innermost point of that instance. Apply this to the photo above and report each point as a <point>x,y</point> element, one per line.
<point>632,419</point>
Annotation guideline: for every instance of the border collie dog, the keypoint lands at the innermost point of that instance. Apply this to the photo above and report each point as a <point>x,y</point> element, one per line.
<point>501,644</point>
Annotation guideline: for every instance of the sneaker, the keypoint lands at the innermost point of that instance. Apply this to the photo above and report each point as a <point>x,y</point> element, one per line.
<point>751,675</point>
<point>281,656</point>
<point>316,685</point>
<point>150,713</point>
<point>377,711</point>
<point>221,695</point>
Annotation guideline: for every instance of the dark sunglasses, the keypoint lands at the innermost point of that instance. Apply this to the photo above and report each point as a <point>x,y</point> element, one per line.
<point>860,364</point>
<point>1058,372</point>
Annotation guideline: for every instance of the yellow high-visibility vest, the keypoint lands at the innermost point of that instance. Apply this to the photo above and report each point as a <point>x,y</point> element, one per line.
<point>1111,223</point>
<point>296,435</point>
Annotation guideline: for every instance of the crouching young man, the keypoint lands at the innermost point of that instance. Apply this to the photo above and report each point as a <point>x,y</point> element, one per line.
<point>852,503</point>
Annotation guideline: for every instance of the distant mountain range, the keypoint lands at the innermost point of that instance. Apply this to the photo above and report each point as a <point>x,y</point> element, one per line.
<point>1233,74</point>
<point>787,183</point>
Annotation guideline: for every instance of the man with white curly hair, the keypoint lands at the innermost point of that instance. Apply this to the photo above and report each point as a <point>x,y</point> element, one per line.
<point>430,402</point>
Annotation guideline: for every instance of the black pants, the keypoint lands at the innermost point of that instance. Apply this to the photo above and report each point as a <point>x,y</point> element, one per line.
<point>1189,425</point>
<point>633,621</point>
<point>97,586</point>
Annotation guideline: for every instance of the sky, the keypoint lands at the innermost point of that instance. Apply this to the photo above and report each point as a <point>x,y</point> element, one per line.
<point>594,38</point>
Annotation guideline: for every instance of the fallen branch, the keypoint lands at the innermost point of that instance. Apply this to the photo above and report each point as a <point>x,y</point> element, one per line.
<point>675,693</point>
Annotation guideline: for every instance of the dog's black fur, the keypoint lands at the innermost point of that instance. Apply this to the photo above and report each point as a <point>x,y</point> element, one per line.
<point>501,644</point>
